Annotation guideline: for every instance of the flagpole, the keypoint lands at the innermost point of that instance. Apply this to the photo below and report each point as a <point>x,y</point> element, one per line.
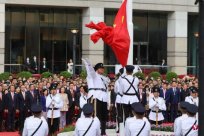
<point>130,55</point>
<point>130,30</point>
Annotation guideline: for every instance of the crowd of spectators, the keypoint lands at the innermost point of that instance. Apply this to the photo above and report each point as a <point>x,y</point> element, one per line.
<point>18,94</point>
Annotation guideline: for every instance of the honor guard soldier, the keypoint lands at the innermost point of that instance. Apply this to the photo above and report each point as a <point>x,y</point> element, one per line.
<point>54,104</point>
<point>157,105</point>
<point>117,89</point>
<point>193,98</point>
<point>35,125</point>
<point>177,122</point>
<point>97,86</point>
<point>128,85</point>
<point>189,126</point>
<point>137,125</point>
<point>88,126</point>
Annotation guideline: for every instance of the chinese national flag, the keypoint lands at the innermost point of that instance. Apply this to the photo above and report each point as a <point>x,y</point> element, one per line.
<point>117,37</point>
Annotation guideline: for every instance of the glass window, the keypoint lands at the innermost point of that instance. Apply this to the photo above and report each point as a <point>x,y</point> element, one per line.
<point>193,21</point>
<point>41,32</point>
<point>150,37</point>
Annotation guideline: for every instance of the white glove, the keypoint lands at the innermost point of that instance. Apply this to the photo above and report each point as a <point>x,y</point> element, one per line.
<point>84,61</point>
<point>88,61</point>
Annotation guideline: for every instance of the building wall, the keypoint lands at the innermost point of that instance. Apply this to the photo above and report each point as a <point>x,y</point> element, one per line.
<point>162,5</point>
<point>94,10</point>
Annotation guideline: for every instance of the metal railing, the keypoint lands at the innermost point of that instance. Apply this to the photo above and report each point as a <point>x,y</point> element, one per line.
<point>16,68</point>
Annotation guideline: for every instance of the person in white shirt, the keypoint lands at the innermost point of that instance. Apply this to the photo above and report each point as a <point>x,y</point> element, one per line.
<point>98,91</point>
<point>189,126</point>
<point>157,105</point>
<point>119,110</point>
<point>83,98</point>
<point>54,104</point>
<point>128,88</point>
<point>178,121</point>
<point>193,98</point>
<point>137,125</point>
<point>87,126</point>
<point>35,125</point>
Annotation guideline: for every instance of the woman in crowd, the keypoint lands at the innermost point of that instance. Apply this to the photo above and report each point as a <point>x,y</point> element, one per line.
<point>43,102</point>
<point>64,109</point>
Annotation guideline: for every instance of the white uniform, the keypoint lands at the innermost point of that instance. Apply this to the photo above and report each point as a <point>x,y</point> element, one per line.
<point>133,126</point>
<point>177,124</point>
<point>192,100</point>
<point>153,104</point>
<point>82,102</point>
<point>187,124</point>
<point>97,83</point>
<point>32,123</point>
<point>58,104</point>
<point>117,91</point>
<point>124,85</point>
<point>82,125</point>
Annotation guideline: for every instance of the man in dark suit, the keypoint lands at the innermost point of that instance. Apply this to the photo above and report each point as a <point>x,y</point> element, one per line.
<point>1,107</point>
<point>32,97</point>
<point>44,67</point>
<point>142,94</point>
<point>163,94</point>
<point>22,108</point>
<point>35,65</point>
<point>27,64</point>
<point>73,98</point>
<point>184,92</point>
<point>163,68</point>
<point>11,107</point>
<point>173,98</point>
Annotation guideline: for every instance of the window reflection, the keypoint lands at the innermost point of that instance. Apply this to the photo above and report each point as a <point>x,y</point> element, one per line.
<point>41,32</point>
<point>150,37</point>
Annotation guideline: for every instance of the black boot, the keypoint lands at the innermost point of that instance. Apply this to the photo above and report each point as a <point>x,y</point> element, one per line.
<point>103,127</point>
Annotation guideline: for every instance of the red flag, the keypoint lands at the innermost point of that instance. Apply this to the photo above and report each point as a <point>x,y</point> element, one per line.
<point>117,37</point>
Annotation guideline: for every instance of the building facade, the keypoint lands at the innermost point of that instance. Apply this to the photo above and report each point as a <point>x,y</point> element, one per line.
<point>162,30</point>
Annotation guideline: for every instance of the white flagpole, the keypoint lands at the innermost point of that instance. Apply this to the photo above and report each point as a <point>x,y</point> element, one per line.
<point>130,30</point>
<point>130,55</point>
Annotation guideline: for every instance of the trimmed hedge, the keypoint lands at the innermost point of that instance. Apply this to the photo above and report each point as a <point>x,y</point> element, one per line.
<point>65,74</point>
<point>170,76</point>
<point>139,75</point>
<point>46,74</point>
<point>24,74</point>
<point>83,74</point>
<point>155,75</point>
<point>4,76</point>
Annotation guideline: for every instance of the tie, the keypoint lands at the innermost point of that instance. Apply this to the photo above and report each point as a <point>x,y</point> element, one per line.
<point>24,95</point>
<point>32,94</point>
<point>174,90</point>
<point>12,95</point>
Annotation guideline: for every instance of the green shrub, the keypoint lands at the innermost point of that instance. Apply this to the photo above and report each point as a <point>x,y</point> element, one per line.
<point>83,74</point>
<point>24,74</point>
<point>65,74</point>
<point>140,75</point>
<point>155,75</point>
<point>46,74</point>
<point>170,76</point>
<point>4,76</point>
<point>69,128</point>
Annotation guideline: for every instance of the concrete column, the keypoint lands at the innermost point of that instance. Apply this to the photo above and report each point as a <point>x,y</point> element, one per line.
<point>177,42</point>
<point>94,52</point>
<point>2,36</point>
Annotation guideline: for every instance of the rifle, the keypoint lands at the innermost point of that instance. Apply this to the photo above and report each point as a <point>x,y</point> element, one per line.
<point>157,110</point>
<point>52,113</point>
